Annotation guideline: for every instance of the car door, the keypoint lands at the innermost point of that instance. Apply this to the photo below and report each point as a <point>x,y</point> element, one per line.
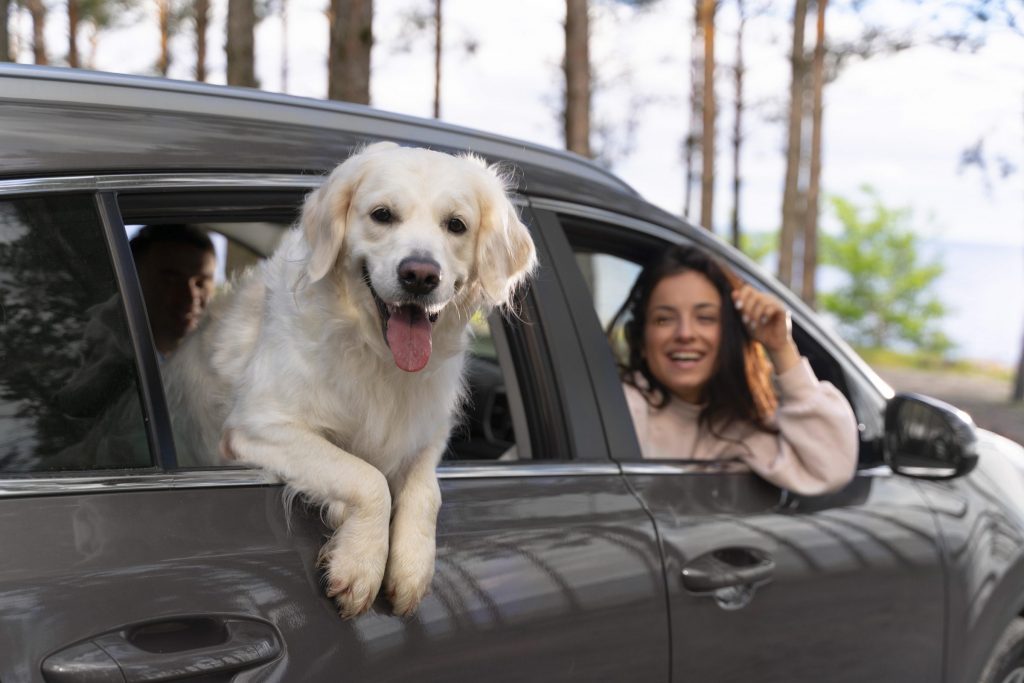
<point>763,583</point>
<point>117,562</point>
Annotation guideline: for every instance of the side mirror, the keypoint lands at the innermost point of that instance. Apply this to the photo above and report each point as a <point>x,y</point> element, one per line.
<point>928,439</point>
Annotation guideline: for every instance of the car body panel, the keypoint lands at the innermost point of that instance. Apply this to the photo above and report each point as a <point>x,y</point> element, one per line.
<point>982,526</point>
<point>64,122</point>
<point>568,563</point>
<point>863,566</point>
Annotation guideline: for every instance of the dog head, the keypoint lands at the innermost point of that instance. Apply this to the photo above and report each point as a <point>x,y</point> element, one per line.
<point>426,235</point>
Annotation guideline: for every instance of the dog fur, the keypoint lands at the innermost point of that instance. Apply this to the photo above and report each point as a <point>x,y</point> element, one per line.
<point>291,370</point>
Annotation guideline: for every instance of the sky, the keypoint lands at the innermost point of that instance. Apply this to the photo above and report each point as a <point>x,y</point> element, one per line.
<point>899,123</point>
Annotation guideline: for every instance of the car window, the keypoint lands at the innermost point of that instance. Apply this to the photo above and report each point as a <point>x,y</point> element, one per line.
<point>69,398</point>
<point>609,279</point>
<point>492,424</point>
<point>610,260</point>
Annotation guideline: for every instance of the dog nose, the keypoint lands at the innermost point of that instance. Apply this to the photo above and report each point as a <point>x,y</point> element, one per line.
<point>419,275</point>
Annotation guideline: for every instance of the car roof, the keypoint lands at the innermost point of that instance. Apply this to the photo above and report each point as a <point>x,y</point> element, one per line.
<point>62,122</point>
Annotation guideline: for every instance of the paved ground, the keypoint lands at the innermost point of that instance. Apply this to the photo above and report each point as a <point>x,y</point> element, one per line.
<point>985,398</point>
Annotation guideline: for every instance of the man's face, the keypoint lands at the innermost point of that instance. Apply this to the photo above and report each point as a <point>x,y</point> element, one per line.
<point>177,281</point>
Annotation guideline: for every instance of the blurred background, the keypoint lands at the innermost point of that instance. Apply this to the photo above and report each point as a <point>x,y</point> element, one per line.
<point>868,152</point>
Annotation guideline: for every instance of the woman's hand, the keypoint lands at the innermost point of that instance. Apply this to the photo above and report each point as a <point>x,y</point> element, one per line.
<point>768,322</point>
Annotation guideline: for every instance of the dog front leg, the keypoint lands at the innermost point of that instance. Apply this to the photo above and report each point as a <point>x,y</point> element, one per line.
<point>356,494</point>
<point>417,499</point>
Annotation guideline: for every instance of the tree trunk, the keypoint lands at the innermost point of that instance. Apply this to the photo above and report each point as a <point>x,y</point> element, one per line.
<point>241,25</point>
<point>348,62</point>
<point>577,77</point>
<point>707,148</point>
<point>737,127</point>
<point>37,10</point>
<point>5,36</point>
<point>74,17</point>
<point>791,192</point>
<point>202,19</point>
<point>809,290</point>
<point>163,9</point>
<point>696,90</point>
<point>437,59</point>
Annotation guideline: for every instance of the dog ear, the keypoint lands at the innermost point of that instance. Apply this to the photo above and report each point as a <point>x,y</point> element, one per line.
<point>326,210</point>
<point>323,228</point>
<point>505,254</point>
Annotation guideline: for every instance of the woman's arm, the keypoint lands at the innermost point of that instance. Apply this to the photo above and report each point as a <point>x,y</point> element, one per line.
<point>817,444</point>
<point>816,448</point>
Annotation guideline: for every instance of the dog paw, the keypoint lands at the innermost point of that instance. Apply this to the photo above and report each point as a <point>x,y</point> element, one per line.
<point>410,570</point>
<point>354,573</point>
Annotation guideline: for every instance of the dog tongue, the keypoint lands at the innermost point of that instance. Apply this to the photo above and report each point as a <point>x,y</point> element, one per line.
<point>409,338</point>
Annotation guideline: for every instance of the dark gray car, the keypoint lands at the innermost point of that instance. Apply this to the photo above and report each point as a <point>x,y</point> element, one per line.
<point>562,554</point>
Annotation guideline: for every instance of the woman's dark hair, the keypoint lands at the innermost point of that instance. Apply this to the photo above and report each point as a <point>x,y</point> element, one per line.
<point>740,385</point>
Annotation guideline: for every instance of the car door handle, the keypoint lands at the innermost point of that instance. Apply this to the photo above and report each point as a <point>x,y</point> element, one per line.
<point>728,568</point>
<point>166,650</point>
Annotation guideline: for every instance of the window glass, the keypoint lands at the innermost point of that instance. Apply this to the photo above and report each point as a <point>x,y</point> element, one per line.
<point>68,391</point>
<point>609,279</point>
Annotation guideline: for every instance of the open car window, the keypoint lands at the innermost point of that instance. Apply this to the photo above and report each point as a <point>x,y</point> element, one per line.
<point>610,259</point>
<point>492,427</point>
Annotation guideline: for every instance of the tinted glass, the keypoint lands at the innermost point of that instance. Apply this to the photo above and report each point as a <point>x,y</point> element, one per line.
<point>68,392</point>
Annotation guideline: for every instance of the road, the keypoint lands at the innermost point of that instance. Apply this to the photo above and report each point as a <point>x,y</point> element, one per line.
<point>985,398</point>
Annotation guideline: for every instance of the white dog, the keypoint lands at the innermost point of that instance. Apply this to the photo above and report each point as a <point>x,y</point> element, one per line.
<point>337,364</point>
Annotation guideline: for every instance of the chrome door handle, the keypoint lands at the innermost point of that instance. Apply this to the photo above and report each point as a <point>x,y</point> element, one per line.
<point>166,650</point>
<point>728,568</point>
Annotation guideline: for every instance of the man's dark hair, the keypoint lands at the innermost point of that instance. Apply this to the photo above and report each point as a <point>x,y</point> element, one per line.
<point>176,233</point>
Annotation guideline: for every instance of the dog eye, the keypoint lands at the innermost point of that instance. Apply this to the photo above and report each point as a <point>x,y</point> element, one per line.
<point>456,225</point>
<point>382,215</point>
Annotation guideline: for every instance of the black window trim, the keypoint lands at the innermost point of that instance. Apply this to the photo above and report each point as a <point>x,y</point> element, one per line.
<point>154,406</point>
<point>612,414</point>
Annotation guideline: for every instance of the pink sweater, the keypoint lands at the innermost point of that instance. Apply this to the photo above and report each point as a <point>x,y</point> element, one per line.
<point>814,452</point>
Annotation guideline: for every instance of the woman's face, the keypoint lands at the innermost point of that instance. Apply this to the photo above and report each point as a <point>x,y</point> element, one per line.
<point>682,333</point>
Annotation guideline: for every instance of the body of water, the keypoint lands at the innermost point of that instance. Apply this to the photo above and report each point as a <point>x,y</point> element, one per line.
<point>983,286</point>
<point>983,289</point>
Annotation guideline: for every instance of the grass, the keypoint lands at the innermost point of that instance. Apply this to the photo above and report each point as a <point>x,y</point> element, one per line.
<point>932,361</point>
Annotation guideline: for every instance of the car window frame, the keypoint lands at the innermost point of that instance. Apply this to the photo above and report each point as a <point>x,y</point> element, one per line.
<point>866,385</point>
<point>547,380</point>
<point>548,369</point>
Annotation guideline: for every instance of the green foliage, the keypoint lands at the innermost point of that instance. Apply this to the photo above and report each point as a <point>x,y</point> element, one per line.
<point>886,298</point>
<point>759,245</point>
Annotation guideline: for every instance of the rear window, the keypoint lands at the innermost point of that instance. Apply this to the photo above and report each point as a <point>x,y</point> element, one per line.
<point>69,398</point>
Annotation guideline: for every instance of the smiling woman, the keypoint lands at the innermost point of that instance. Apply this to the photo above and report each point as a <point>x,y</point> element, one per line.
<point>701,348</point>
